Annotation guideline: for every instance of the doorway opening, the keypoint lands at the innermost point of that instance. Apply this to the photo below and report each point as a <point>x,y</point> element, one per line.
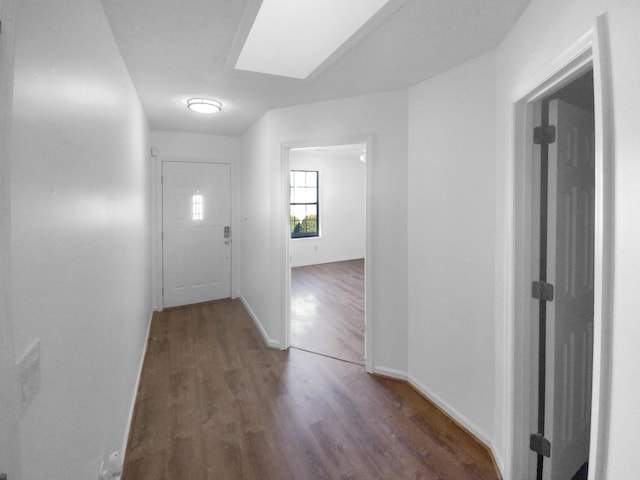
<point>562,267</point>
<point>327,250</point>
<point>562,264</point>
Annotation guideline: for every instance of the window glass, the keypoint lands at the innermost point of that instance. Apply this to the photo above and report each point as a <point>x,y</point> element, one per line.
<point>304,204</point>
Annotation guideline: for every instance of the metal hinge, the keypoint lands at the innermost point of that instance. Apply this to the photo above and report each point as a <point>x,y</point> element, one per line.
<point>542,291</point>
<point>540,445</point>
<point>544,135</point>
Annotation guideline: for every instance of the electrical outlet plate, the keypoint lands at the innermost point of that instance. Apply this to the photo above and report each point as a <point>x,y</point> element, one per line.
<point>29,374</point>
<point>112,468</point>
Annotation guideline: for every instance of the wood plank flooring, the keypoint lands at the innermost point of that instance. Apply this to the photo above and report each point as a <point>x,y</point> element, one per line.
<point>327,309</point>
<point>215,403</point>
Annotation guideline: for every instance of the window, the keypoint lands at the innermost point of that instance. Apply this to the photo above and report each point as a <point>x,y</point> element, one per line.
<point>196,207</point>
<point>303,204</point>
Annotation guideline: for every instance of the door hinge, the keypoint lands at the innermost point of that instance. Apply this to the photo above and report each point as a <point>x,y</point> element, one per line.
<point>542,291</point>
<point>544,135</point>
<point>540,445</point>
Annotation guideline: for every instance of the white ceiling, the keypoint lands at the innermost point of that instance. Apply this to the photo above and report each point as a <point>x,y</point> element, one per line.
<point>175,50</point>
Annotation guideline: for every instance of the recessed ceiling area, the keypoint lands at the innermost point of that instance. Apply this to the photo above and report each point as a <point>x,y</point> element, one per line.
<point>291,38</point>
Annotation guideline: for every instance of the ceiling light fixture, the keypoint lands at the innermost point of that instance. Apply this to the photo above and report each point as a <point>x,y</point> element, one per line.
<point>204,105</point>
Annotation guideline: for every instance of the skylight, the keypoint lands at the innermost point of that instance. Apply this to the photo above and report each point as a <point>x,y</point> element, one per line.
<point>291,38</point>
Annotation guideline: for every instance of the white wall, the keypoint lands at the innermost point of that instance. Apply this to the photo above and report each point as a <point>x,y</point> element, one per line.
<point>384,116</point>
<point>181,145</point>
<point>258,291</point>
<point>521,64</point>
<point>193,147</point>
<point>80,239</point>
<point>342,207</point>
<point>451,237</point>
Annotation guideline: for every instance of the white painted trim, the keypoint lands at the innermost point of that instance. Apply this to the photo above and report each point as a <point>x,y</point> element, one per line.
<point>156,231</point>
<point>389,372</point>
<point>565,67</point>
<point>603,251</point>
<point>9,391</point>
<point>286,197</point>
<point>235,229</point>
<point>441,403</point>
<point>269,342</point>
<point>589,51</point>
<point>369,321</point>
<point>449,410</point>
<point>369,314</point>
<point>125,441</point>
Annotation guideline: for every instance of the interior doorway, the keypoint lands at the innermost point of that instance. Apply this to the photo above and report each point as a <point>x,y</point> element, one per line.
<point>562,266</point>
<point>327,250</point>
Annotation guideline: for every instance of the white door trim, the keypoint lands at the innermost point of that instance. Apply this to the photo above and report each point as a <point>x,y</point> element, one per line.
<point>9,391</point>
<point>590,51</point>
<point>285,341</point>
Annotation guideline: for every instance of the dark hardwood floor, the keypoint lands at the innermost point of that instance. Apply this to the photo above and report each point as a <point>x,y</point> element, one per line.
<point>215,403</point>
<point>327,309</point>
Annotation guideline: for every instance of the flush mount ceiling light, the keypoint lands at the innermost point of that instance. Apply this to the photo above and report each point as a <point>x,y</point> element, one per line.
<point>291,38</point>
<point>204,105</point>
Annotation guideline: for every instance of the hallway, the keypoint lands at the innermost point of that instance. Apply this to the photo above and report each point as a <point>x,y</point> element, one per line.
<point>215,403</point>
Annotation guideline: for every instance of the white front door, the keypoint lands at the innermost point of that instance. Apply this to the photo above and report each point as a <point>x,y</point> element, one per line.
<point>570,270</point>
<point>196,246</point>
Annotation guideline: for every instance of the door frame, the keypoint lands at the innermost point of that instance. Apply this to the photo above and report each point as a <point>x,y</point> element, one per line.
<point>156,223</point>
<point>286,264</point>
<point>9,392</point>
<point>589,52</point>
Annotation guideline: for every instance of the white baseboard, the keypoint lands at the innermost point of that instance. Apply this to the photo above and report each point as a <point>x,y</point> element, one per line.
<point>449,410</point>
<point>135,390</point>
<point>459,418</point>
<point>499,461</point>
<point>269,342</point>
<point>390,372</point>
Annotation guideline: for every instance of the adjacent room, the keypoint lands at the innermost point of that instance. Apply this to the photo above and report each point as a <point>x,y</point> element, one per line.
<point>327,250</point>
